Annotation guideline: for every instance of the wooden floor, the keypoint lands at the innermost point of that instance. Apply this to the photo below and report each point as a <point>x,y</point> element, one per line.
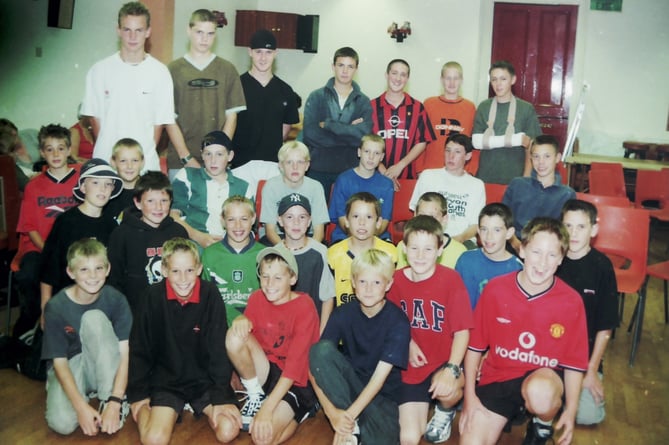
<point>637,397</point>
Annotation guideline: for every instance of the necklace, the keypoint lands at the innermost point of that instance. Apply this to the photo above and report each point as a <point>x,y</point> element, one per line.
<point>293,249</point>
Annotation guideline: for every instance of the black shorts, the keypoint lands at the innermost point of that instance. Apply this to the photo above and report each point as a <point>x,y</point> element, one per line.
<point>506,398</point>
<point>176,402</point>
<point>300,398</point>
<point>417,392</point>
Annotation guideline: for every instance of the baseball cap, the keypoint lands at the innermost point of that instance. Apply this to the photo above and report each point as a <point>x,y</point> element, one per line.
<point>217,138</point>
<point>281,251</point>
<point>97,168</point>
<point>263,39</point>
<point>294,199</point>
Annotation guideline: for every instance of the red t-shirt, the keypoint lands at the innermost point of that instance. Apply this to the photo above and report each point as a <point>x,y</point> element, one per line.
<point>44,198</point>
<point>523,332</point>
<point>437,308</point>
<point>285,332</point>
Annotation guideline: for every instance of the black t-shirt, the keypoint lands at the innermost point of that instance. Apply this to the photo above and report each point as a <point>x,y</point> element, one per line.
<point>259,133</point>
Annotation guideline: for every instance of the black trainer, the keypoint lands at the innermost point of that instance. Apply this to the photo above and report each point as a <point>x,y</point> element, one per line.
<point>538,434</point>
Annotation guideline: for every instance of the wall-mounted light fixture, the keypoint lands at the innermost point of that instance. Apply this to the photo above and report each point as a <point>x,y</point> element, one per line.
<point>399,33</point>
<point>221,21</point>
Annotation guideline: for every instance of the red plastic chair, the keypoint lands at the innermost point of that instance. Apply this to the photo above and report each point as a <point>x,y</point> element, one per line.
<point>599,200</point>
<point>607,179</point>
<point>401,212</point>
<point>623,232</point>
<point>661,271</point>
<point>258,199</point>
<point>613,201</point>
<point>653,186</point>
<point>494,192</point>
<point>163,164</point>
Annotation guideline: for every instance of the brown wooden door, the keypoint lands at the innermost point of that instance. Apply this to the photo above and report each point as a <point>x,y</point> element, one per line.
<point>539,41</point>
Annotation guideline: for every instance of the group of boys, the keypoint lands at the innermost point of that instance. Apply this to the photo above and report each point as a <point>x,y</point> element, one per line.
<point>137,266</point>
<point>88,340</point>
<point>432,368</point>
<point>156,323</point>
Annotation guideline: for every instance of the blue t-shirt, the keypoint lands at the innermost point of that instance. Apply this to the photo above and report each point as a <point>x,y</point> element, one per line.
<point>367,341</point>
<point>348,183</point>
<point>528,198</point>
<point>476,270</point>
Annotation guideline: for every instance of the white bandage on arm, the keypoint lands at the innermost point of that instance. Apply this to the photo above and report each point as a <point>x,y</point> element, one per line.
<point>496,141</point>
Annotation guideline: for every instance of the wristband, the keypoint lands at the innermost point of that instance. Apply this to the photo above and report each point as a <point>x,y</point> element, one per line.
<point>115,399</point>
<point>455,369</point>
<point>186,158</point>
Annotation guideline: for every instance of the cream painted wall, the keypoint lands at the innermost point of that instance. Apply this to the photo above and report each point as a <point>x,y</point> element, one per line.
<point>37,91</point>
<point>623,56</point>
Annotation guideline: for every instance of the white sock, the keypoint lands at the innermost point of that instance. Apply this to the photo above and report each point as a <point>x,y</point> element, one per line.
<point>546,423</point>
<point>543,422</point>
<point>252,386</point>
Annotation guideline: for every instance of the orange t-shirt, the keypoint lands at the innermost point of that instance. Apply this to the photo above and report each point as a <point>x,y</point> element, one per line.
<point>446,116</point>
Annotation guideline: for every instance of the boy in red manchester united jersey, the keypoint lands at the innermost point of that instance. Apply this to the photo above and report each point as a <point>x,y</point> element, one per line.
<point>533,327</point>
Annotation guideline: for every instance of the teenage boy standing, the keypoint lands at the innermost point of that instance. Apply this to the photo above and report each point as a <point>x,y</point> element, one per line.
<point>336,116</point>
<point>271,105</point>
<point>129,94</point>
<point>503,128</point>
<point>207,94</point>
<point>402,121</point>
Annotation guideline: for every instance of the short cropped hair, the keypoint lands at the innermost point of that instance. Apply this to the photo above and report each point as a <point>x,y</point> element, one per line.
<point>374,260</point>
<point>550,225</point>
<point>346,51</point>
<point>152,180</point>
<point>127,143</point>
<point>504,65</point>
<point>546,139</point>
<point>454,65</point>
<point>293,145</point>
<point>238,199</point>
<point>434,197</point>
<point>425,224</point>
<point>86,248</point>
<point>579,205</point>
<point>460,139</point>
<point>136,9</point>
<point>498,209</point>
<point>372,138</point>
<point>201,15</point>
<point>364,197</point>
<point>55,131</point>
<point>178,244</point>
<point>402,61</point>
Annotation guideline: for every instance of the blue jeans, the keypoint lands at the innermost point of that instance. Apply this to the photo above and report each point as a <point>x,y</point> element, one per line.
<point>334,374</point>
